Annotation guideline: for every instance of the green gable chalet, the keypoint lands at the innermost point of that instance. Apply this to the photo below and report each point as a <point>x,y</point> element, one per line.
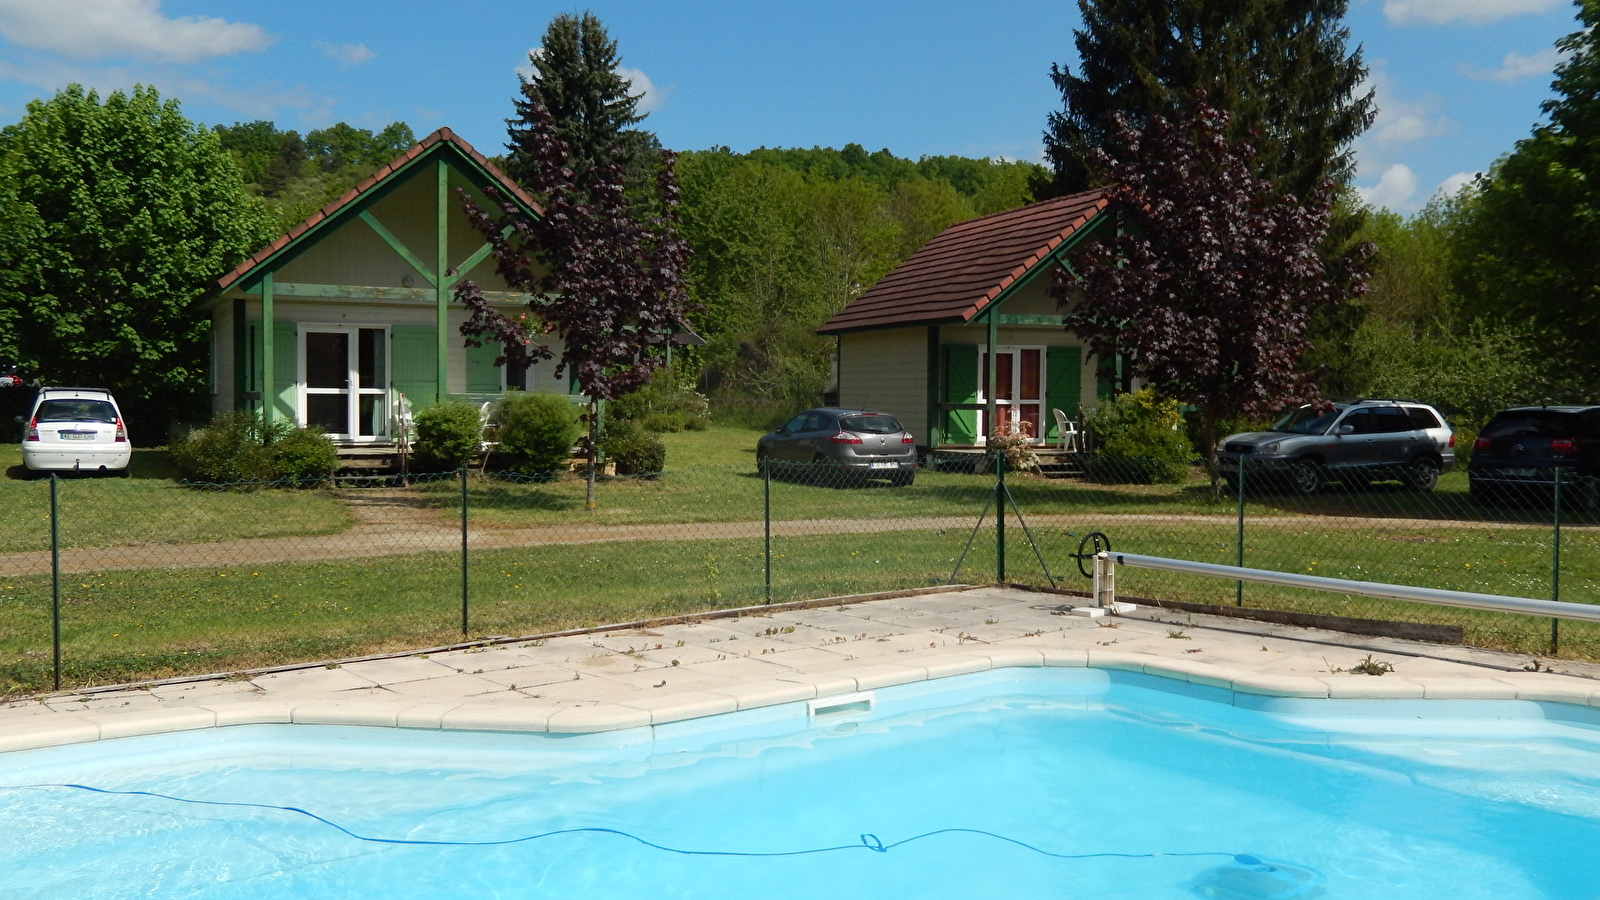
<point>330,324</point>
<point>964,332</point>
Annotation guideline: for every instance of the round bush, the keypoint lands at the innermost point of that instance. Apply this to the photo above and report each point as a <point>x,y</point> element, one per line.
<point>537,431</point>
<point>231,450</point>
<point>448,435</point>
<point>662,406</point>
<point>1139,438</point>
<point>303,456</point>
<point>634,450</point>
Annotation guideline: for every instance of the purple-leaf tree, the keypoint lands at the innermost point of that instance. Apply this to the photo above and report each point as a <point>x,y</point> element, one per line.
<point>1207,285</point>
<point>607,284</point>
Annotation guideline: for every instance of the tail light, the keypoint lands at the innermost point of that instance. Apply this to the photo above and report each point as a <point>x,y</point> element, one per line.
<point>1452,441</point>
<point>907,439</point>
<point>1563,445</point>
<point>33,429</point>
<point>845,438</point>
<point>1480,444</point>
<point>122,433</point>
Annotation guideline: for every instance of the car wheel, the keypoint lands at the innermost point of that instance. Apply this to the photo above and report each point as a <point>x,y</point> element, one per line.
<point>1422,474</point>
<point>1231,485</point>
<point>1306,477</point>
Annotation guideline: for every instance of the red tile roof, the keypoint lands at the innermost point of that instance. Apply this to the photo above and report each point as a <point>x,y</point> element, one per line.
<point>442,136</point>
<point>955,275</point>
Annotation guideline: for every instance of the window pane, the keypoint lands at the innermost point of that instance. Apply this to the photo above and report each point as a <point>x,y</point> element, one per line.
<point>327,359</point>
<point>330,412</point>
<point>371,364</point>
<point>1030,376</point>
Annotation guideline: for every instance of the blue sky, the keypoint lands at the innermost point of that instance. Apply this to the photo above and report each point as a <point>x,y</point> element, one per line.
<point>1458,81</point>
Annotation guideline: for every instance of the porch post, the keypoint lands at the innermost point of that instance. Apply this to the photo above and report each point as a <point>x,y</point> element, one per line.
<point>989,374</point>
<point>441,289</point>
<point>267,352</point>
<point>935,389</point>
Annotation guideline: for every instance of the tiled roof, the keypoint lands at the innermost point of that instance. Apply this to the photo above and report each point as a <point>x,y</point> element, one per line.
<point>442,136</point>
<point>955,275</point>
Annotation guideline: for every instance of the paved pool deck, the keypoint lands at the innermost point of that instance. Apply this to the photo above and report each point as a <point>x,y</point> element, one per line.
<point>658,673</point>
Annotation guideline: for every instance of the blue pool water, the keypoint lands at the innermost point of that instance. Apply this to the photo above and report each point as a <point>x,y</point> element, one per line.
<point>1017,783</point>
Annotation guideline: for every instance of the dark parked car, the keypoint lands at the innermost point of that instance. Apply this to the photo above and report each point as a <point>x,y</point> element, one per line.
<point>1356,442</point>
<point>860,443</point>
<point>1519,452</point>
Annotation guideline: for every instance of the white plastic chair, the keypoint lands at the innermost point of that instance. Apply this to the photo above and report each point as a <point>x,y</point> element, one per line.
<point>1066,432</point>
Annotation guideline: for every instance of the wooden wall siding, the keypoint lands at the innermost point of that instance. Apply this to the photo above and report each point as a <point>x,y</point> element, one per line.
<point>1033,298</point>
<point>887,370</point>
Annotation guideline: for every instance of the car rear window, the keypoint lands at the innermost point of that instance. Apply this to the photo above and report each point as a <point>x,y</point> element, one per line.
<point>76,411</point>
<point>1532,423</point>
<point>1422,418</point>
<point>870,424</point>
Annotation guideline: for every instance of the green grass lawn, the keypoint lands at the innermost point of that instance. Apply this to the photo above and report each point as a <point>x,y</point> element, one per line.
<point>135,624</point>
<point>151,507</point>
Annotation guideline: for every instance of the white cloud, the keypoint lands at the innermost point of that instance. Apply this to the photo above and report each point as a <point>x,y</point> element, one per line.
<point>1515,66</point>
<point>346,54</point>
<point>526,71</point>
<point>1401,121</point>
<point>1393,189</point>
<point>1452,186</point>
<point>101,29</point>
<point>1473,12</point>
<point>650,96</point>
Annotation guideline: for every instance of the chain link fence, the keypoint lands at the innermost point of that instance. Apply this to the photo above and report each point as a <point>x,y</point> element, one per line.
<point>109,580</point>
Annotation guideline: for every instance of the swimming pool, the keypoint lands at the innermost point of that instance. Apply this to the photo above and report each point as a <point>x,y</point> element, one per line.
<point>1011,783</point>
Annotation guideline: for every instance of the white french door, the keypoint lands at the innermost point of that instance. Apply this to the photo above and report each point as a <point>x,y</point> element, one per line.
<point>1018,390</point>
<point>344,380</point>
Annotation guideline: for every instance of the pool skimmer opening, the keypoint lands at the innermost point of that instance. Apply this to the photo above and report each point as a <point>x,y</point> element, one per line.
<point>841,705</point>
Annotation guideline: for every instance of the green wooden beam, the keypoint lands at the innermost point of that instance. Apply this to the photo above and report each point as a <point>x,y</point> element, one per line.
<point>395,245</point>
<point>478,256</point>
<point>1056,321</point>
<point>376,293</point>
<point>442,256</point>
<point>267,350</point>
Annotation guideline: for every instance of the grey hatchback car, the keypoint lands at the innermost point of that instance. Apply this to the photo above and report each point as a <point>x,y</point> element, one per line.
<point>1356,442</point>
<point>860,443</point>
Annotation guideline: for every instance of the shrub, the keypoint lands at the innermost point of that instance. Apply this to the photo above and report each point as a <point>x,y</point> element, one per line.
<point>233,448</point>
<point>1138,438</point>
<point>634,450</point>
<point>1017,446</point>
<point>303,455</point>
<point>662,406</point>
<point>537,431</point>
<point>237,447</point>
<point>448,434</point>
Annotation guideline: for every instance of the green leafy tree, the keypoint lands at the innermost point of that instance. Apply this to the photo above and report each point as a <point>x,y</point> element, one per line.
<point>114,215</point>
<point>1527,255</point>
<point>1281,69</point>
<point>296,176</point>
<point>576,80</point>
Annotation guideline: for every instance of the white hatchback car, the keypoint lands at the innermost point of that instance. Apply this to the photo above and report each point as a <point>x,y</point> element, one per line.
<point>75,430</point>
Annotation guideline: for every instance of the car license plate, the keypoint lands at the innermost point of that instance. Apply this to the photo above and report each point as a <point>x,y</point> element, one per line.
<point>1520,473</point>
<point>77,435</point>
<point>885,465</point>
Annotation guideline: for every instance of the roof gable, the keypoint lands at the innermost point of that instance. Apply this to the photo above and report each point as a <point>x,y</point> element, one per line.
<point>969,265</point>
<point>442,142</point>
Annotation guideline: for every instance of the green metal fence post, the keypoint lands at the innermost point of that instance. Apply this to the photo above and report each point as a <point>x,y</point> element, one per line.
<point>1555,565</point>
<point>766,518</point>
<point>55,581</point>
<point>1238,586</point>
<point>1000,518</point>
<point>463,550</point>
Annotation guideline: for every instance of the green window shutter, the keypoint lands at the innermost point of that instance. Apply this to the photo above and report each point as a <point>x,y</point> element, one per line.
<point>961,386</point>
<point>285,369</point>
<point>1106,384</point>
<point>1063,384</point>
<point>483,376</point>
<point>416,370</point>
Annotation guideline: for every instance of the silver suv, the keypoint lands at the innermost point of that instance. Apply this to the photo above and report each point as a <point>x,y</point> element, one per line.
<point>1356,442</point>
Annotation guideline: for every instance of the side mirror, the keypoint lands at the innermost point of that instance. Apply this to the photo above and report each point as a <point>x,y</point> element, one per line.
<point>1345,429</point>
<point>19,419</point>
<point>784,430</point>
